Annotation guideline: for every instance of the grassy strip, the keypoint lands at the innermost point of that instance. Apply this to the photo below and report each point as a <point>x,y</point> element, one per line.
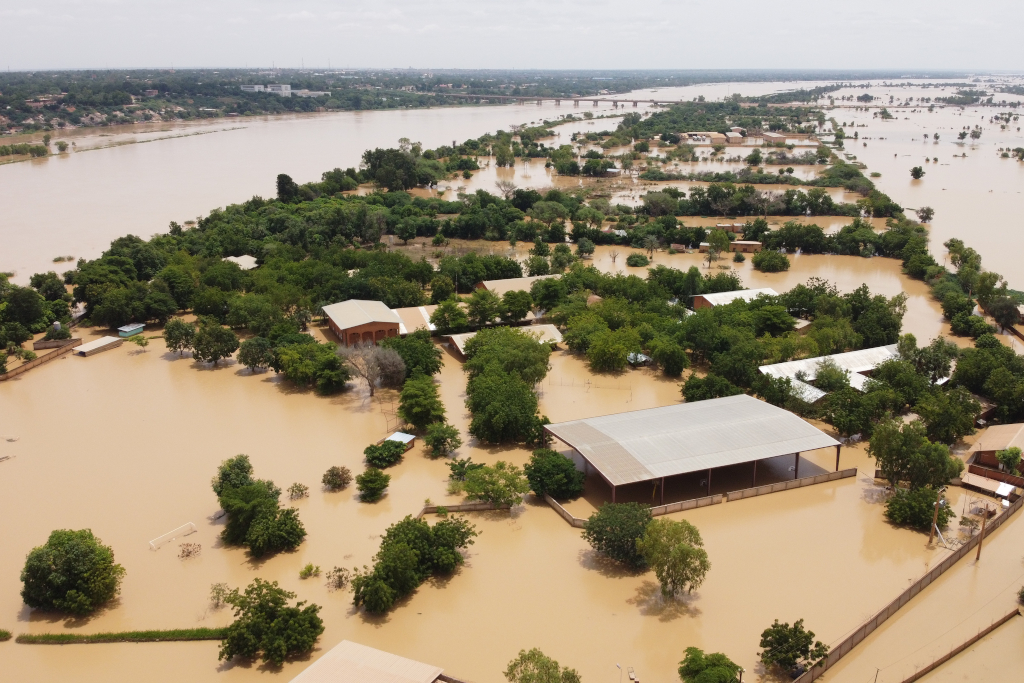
<point>124,636</point>
<point>4,635</point>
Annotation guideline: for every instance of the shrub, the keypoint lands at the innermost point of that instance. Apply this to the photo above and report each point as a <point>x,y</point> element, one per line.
<point>267,627</point>
<point>338,578</point>
<point>536,667</point>
<point>371,484</point>
<point>420,404</point>
<point>411,551</point>
<point>53,334</point>
<point>698,667</point>
<point>712,386</point>
<point>256,520</point>
<point>442,439</point>
<point>298,490</point>
<point>552,473</point>
<point>309,570</point>
<point>770,261</point>
<point>637,260</point>
<point>385,454</point>
<point>313,365</point>
<point>503,484</point>
<point>915,509</point>
<point>676,552</point>
<point>737,257</point>
<point>4,635</point>
<point>787,646</point>
<point>73,573</point>
<point>1009,458</point>
<point>615,529</point>
<point>336,478</point>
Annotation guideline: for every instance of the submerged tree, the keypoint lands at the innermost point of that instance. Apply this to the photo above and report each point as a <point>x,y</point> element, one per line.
<point>536,667</point>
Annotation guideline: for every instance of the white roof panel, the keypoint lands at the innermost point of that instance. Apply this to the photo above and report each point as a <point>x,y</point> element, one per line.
<point>722,298</point>
<point>514,284</point>
<point>855,362</point>
<point>688,437</point>
<point>349,662</point>
<point>544,333</point>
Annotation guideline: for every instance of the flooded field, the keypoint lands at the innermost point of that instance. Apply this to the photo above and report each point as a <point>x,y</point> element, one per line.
<point>125,443</point>
<point>133,456</point>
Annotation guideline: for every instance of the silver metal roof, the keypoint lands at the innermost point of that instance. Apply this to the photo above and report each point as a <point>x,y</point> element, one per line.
<point>514,284</point>
<point>349,662</point>
<point>688,437</point>
<point>853,362</point>
<point>543,333</point>
<point>722,298</point>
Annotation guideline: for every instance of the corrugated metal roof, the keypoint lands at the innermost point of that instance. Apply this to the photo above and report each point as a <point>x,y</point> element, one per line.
<point>514,284</point>
<point>544,333</point>
<point>688,437</point>
<point>355,312</point>
<point>349,662</point>
<point>722,298</point>
<point>806,392</point>
<point>1001,437</point>
<point>854,362</point>
<point>243,262</point>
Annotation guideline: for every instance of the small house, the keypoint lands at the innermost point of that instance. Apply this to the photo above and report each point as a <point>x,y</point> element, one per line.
<point>732,138</point>
<point>408,440</point>
<point>130,330</point>
<point>359,321</point>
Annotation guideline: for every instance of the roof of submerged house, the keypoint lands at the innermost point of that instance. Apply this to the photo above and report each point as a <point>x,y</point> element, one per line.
<point>661,442</point>
<point>349,662</point>
<point>722,298</point>
<point>544,333</point>
<point>854,362</point>
<point>513,284</point>
<point>355,312</point>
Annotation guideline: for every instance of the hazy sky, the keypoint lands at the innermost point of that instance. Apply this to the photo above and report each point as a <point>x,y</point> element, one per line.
<point>681,34</point>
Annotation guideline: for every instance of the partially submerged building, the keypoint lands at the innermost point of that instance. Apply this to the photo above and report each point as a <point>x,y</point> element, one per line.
<point>359,321</point>
<point>743,246</point>
<point>998,438</point>
<point>544,333</point>
<point>349,662</point>
<point>723,298</point>
<point>858,363</point>
<point>514,284</point>
<point>655,444</point>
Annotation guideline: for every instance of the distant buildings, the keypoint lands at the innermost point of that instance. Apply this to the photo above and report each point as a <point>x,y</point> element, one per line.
<point>284,90</point>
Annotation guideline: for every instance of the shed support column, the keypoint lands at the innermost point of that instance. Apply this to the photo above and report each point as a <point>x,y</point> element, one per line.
<point>613,493</point>
<point>753,480</point>
<point>663,490</point>
<point>796,467</point>
<point>838,446</point>
<point>709,481</point>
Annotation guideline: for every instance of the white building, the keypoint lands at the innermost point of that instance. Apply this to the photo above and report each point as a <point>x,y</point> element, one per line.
<point>284,90</point>
<point>254,88</point>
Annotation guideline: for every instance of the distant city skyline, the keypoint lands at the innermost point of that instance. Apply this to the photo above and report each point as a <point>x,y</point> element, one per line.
<point>555,34</point>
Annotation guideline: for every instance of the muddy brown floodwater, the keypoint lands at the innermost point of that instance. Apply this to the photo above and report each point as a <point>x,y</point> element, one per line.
<point>125,443</point>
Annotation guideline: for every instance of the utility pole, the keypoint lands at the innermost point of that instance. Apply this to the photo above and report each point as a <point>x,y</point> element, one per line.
<point>935,521</point>
<point>981,537</point>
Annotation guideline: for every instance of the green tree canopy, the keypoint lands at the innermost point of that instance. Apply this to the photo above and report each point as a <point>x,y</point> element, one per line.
<point>502,484</point>
<point>536,667</point>
<point>267,627</point>
<point>552,473</point>
<point>615,529</point>
<point>787,646</point>
<point>676,552</point>
<point>420,404</point>
<point>698,667</point>
<point>72,573</point>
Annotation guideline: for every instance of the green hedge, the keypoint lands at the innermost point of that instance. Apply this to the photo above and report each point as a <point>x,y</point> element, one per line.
<point>124,636</point>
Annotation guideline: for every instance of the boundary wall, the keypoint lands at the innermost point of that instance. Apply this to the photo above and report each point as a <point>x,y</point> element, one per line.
<point>865,629</point>
<point>66,348</point>
<point>961,647</point>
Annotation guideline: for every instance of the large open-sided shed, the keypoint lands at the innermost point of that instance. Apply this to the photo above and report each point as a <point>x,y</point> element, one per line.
<point>653,444</point>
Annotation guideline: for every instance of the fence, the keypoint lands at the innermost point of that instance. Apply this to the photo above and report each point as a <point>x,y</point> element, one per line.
<point>865,629</point>
<point>997,475</point>
<point>960,648</point>
<point>183,530</point>
<point>791,484</point>
<point>687,505</point>
<point>717,498</point>
<point>461,507</point>
<point>52,343</point>
<point>10,374</point>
